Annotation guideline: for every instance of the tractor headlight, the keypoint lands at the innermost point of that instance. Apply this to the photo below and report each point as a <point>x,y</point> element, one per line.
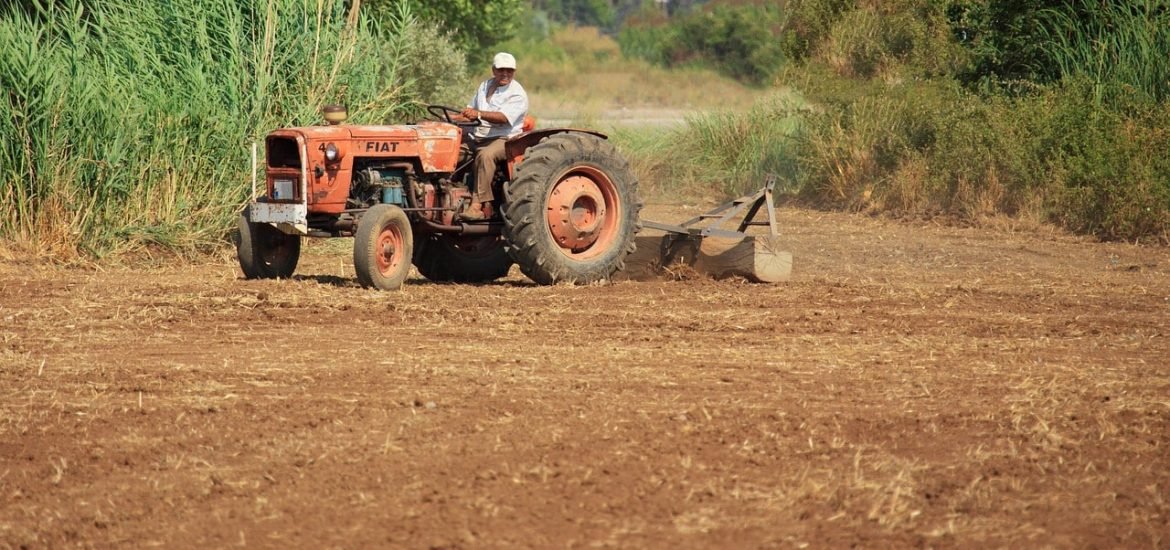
<point>332,153</point>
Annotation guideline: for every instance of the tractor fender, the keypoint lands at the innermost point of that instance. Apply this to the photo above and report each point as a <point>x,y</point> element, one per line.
<point>517,146</point>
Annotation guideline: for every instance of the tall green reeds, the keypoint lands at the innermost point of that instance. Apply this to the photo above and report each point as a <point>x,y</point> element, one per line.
<point>1122,47</point>
<point>125,123</point>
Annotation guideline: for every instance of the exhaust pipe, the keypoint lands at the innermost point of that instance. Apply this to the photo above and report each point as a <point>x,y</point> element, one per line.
<point>464,228</point>
<point>348,225</point>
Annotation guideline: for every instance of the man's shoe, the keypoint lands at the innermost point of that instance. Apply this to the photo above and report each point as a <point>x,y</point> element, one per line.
<point>473,213</point>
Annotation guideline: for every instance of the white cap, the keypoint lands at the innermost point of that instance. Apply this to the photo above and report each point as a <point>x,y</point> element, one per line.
<point>503,60</point>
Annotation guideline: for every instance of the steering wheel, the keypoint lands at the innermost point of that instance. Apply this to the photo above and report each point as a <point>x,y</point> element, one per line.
<point>443,112</point>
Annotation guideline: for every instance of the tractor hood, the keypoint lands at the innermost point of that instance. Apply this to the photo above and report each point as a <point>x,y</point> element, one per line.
<point>397,132</point>
<point>434,146</point>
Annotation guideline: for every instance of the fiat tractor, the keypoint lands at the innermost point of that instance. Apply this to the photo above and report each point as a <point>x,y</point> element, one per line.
<point>567,203</point>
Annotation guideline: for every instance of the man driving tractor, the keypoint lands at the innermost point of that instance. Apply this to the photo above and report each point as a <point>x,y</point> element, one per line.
<point>401,191</point>
<point>500,104</point>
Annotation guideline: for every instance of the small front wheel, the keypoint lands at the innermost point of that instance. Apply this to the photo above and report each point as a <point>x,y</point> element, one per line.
<point>382,248</point>
<point>264,252</point>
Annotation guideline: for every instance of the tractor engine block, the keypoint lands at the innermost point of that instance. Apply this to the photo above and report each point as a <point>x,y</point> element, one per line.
<point>376,183</point>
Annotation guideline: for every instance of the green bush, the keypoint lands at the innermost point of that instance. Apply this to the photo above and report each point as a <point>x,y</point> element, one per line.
<point>1113,167</point>
<point>933,147</point>
<point>735,39</point>
<point>648,35</point>
<point>1019,44</point>
<point>808,24</point>
<point>434,68</point>
<point>722,153</point>
<point>896,125</point>
<point>897,40</point>
<point>583,13</point>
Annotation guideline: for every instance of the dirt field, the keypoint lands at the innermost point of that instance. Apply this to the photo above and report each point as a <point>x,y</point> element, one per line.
<point>914,385</point>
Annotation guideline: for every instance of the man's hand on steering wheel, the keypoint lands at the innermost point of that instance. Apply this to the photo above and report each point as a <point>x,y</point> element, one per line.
<point>471,114</point>
<point>453,116</point>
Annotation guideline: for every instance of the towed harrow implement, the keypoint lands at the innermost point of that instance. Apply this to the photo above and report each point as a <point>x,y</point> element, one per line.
<point>702,244</point>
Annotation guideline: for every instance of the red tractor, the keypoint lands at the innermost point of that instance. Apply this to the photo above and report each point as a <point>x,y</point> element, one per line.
<point>568,212</point>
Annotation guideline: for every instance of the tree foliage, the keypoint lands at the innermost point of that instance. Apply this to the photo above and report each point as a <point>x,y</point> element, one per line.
<point>475,25</point>
<point>737,39</point>
<point>1007,37</point>
<point>594,13</point>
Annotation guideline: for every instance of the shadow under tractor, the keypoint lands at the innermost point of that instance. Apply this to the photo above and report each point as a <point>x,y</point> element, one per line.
<point>566,205</point>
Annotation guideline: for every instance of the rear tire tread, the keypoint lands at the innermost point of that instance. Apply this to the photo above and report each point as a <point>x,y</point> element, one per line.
<point>524,222</point>
<point>439,260</point>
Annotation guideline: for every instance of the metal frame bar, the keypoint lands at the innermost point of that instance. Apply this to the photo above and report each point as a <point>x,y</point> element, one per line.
<point>726,212</point>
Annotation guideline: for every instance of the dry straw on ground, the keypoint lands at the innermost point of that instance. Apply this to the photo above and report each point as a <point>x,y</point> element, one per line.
<point>914,385</point>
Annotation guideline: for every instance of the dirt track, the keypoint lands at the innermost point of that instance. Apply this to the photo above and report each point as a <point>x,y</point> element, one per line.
<point>915,385</point>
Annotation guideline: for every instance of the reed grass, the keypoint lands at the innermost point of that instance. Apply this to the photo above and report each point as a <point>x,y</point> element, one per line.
<point>1122,47</point>
<point>128,124</point>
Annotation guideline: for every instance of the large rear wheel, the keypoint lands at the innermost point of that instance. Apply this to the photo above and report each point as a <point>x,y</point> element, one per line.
<point>462,259</point>
<point>572,210</point>
<point>264,252</point>
<point>382,247</point>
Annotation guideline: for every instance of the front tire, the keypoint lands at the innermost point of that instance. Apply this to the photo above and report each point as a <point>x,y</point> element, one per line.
<point>264,252</point>
<point>572,210</point>
<point>382,248</point>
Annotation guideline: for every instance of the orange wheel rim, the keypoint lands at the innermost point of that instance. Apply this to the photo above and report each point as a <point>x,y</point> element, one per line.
<point>583,213</point>
<point>389,250</point>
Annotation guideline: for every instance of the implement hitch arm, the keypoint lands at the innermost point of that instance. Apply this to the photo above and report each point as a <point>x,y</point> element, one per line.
<point>726,212</point>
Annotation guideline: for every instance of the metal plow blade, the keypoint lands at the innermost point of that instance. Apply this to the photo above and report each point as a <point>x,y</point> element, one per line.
<point>701,245</point>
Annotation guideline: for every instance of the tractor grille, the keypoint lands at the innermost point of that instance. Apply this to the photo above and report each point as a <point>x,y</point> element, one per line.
<point>283,153</point>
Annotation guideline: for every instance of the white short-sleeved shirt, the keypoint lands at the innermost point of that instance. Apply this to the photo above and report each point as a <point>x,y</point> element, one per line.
<point>511,100</point>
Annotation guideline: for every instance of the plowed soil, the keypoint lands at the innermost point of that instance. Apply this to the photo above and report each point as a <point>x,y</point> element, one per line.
<point>915,384</point>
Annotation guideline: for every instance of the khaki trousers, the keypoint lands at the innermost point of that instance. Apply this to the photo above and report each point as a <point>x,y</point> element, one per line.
<point>487,156</point>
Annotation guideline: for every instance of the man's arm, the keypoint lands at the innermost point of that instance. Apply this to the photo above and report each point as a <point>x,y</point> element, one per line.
<point>512,112</point>
<point>494,117</point>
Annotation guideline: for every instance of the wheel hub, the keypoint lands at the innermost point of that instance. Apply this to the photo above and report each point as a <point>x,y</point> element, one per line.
<point>388,244</point>
<point>576,212</point>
